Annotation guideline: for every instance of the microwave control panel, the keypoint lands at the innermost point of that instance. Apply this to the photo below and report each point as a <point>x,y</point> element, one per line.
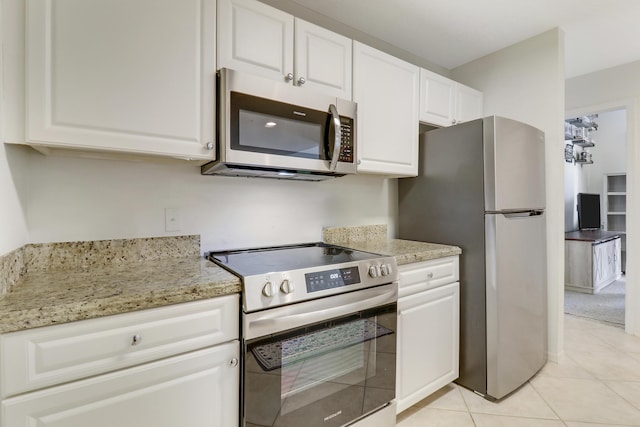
<point>346,150</point>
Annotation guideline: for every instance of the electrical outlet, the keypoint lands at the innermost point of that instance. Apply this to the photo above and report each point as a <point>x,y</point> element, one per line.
<point>172,219</point>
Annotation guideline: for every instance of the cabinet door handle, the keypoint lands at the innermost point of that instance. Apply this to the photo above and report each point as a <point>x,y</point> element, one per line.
<point>136,339</point>
<point>289,77</point>
<point>430,275</point>
<point>301,81</point>
<point>233,362</point>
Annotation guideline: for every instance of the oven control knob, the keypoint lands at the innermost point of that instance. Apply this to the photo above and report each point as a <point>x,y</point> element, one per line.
<point>384,269</point>
<point>267,290</point>
<point>374,271</point>
<point>286,287</point>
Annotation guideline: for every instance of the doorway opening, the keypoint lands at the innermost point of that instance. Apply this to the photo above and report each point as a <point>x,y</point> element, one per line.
<point>595,259</point>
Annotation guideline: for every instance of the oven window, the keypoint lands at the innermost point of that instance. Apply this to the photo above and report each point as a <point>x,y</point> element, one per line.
<point>322,375</point>
<point>266,126</point>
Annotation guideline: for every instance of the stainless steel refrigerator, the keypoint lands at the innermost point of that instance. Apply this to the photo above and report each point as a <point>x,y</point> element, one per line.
<point>481,186</point>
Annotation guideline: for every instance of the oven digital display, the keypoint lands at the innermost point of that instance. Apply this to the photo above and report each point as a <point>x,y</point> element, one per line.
<point>330,279</point>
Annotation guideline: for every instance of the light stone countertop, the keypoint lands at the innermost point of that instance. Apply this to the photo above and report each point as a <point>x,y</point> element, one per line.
<point>53,297</point>
<point>132,278</point>
<point>405,251</point>
<point>373,238</point>
<point>52,283</point>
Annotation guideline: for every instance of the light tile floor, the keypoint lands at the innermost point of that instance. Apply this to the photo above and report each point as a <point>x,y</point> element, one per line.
<point>597,384</point>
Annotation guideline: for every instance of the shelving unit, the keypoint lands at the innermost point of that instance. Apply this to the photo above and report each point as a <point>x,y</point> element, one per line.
<point>577,133</point>
<point>615,208</point>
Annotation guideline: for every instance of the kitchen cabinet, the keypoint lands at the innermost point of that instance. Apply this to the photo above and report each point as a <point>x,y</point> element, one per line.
<point>615,208</point>
<point>386,90</point>
<point>444,102</point>
<point>259,39</point>
<point>168,366</point>
<point>428,329</point>
<point>592,263</point>
<point>124,76</point>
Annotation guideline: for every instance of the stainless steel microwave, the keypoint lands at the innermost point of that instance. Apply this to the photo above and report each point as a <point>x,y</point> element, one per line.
<point>276,130</point>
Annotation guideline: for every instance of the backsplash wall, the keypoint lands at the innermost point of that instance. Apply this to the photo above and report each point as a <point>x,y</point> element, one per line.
<point>70,199</point>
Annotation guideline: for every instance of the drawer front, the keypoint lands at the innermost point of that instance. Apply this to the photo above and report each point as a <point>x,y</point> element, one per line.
<point>421,276</point>
<point>51,355</point>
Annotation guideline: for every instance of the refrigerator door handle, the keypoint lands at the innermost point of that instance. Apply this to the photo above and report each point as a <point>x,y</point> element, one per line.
<point>517,213</point>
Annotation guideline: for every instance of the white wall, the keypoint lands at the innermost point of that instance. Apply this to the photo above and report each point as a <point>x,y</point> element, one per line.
<point>615,88</point>
<point>526,82</point>
<point>13,229</point>
<point>87,199</point>
<point>610,152</point>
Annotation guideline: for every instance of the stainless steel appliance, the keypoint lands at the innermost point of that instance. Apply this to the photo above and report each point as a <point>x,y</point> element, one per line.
<point>319,335</point>
<point>275,130</point>
<point>481,186</point>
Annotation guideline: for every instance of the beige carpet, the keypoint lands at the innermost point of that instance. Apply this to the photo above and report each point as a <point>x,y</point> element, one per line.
<point>605,306</point>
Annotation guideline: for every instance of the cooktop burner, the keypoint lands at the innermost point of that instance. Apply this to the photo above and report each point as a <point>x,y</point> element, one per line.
<point>284,275</point>
<point>250,262</point>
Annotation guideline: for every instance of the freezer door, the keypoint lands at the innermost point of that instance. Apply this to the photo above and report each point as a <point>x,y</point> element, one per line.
<point>516,292</point>
<point>514,165</point>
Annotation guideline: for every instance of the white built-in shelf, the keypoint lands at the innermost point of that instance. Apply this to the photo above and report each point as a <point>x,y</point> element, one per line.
<point>615,207</point>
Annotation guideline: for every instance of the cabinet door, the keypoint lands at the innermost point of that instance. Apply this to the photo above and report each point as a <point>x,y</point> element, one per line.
<point>386,90</point>
<point>197,389</point>
<point>125,75</point>
<point>468,104</point>
<point>255,38</point>
<point>437,99</point>
<point>428,343</point>
<point>322,60</point>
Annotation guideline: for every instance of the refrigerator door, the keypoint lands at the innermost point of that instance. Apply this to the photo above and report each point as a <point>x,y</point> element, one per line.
<point>516,299</point>
<point>514,165</point>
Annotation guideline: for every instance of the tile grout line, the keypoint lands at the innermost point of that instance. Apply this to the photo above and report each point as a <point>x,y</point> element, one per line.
<point>545,400</point>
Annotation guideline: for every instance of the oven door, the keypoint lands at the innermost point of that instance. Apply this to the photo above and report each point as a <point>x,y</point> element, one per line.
<point>327,372</point>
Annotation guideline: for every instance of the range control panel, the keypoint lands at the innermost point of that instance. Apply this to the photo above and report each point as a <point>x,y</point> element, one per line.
<point>329,279</point>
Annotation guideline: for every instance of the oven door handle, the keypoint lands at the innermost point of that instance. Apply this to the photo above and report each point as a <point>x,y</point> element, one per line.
<point>297,315</point>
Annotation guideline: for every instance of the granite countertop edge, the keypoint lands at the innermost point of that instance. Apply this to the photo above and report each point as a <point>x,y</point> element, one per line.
<point>61,296</point>
<point>404,251</point>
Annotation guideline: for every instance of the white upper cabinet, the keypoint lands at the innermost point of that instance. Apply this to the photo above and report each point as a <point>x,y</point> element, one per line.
<point>323,60</point>
<point>387,92</point>
<point>255,38</point>
<point>437,98</point>
<point>468,103</point>
<point>122,75</point>
<point>261,40</point>
<point>443,102</point>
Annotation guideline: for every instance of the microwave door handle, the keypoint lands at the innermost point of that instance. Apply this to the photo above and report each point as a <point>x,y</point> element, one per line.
<point>337,142</point>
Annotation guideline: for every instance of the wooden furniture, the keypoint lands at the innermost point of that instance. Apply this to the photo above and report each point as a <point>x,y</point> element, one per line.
<point>166,367</point>
<point>428,328</point>
<point>615,208</point>
<point>592,260</point>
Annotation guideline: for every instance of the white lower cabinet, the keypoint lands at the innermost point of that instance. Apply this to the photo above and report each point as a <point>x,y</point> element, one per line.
<point>195,389</point>
<point>428,329</point>
<point>163,367</point>
<point>590,266</point>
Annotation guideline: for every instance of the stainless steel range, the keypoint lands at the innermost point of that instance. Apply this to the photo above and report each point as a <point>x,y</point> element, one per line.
<point>319,335</point>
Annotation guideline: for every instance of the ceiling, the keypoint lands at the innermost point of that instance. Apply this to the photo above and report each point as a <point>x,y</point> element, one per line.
<point>599,34</point>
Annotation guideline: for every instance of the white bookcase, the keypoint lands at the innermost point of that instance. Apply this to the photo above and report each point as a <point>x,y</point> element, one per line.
<point>615,207</point>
